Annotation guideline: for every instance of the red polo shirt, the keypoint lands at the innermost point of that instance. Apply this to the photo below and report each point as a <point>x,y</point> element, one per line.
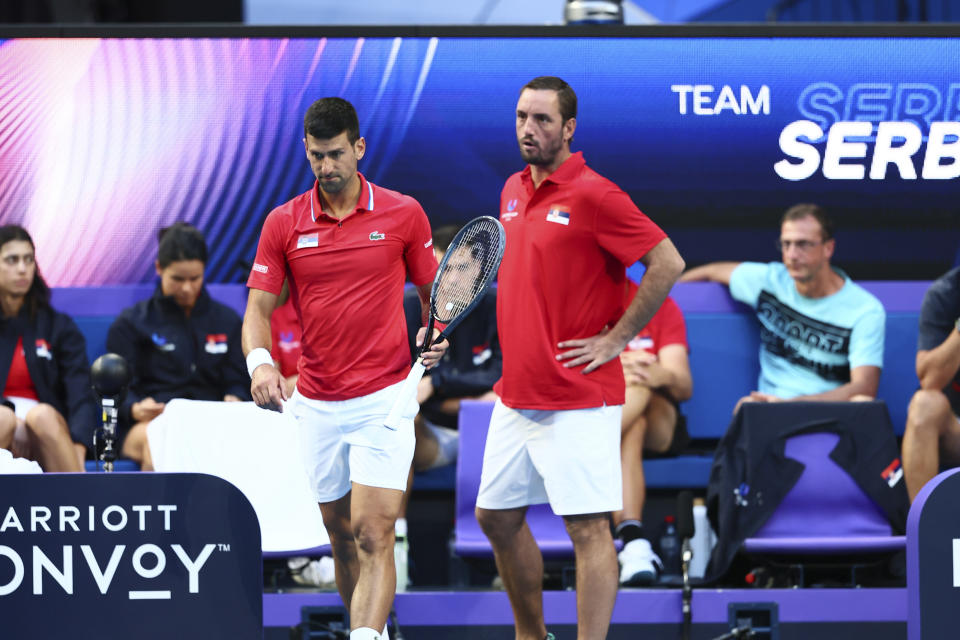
<point>563,277</point>
<point>285,338</point>
<point>346,282</point>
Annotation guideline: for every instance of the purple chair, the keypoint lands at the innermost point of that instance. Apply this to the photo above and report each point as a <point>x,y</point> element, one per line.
<point>469,540</point>
<point>825,513</point>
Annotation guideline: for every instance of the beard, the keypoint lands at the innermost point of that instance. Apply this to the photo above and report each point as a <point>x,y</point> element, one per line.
<point>540,156</point>
<point>332,186</point>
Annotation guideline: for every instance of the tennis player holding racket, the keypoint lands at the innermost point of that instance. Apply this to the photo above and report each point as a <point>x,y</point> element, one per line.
<point>347,246</point>
<point>555,432</point>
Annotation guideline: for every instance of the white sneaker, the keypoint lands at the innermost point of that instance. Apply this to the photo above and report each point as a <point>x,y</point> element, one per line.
<point>314,573</point>
<point>639,565</point>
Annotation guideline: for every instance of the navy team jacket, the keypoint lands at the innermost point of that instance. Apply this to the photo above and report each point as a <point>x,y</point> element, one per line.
<point>56,355</point>
<point>172,355</point>
<point>472,364</point>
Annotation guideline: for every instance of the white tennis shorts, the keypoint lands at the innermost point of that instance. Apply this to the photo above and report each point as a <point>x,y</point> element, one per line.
<point>345,441</point>
<point>570,459</point>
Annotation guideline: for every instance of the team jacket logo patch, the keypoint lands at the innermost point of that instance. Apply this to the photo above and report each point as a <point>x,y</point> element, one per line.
<point>287,342</point>
<point>560,215</point>
<point>216,343</point>
<point>43,349</point>
<point>893,473</point>
<point>376,235</point>
<point>481,353</point>
<point>161,342</point>
<point>308,240</point>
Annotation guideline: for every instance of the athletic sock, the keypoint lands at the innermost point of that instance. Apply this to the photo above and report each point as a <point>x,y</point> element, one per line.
<point>364,633</point>
<point>385,635</point>
<point>629,530</point>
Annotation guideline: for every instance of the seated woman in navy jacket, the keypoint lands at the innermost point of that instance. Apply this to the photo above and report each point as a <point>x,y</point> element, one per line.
<point>48,411</point>
<point>180,343</point>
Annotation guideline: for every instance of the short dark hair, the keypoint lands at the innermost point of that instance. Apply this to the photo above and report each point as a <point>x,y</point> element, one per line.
<point>443,236</point>
<point>329,117</point>
<point>807,210</point>
<point>181,241</point>
<point>565,95</point>
<point>38,295</point>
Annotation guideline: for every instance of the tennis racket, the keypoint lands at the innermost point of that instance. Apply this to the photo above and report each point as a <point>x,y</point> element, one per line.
<point>466,270</point>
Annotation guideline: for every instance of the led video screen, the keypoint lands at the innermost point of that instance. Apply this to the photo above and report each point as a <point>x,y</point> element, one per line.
<point>105,140</point>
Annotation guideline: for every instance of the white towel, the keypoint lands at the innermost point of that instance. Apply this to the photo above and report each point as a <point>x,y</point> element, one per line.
<point>9,464</point>
<point>254,449</point>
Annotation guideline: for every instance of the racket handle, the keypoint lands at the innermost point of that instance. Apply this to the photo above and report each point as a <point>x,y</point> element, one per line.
<point>407,394</point>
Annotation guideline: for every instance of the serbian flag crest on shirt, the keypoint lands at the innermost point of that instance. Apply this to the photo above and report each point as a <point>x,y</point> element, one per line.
<point>216,343</point>
<point>560,215</point>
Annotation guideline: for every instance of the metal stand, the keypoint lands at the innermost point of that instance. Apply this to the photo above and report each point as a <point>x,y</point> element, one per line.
<point>104,438</point>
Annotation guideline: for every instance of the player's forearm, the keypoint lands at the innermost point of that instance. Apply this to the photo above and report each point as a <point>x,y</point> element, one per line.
<point>664,266</point>
<point>256,332</point>
<point>844,392</point>
<point>937,367</point>
<point>711,272</point>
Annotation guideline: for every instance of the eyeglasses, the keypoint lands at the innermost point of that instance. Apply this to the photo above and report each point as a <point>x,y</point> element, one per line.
<point>799,245</point>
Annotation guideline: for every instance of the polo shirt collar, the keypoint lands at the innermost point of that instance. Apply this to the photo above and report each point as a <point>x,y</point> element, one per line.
<point>566,172</point>
<point>365,203</point>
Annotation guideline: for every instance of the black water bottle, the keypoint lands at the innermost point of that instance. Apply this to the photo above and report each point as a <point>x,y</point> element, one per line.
<point>670,547</point>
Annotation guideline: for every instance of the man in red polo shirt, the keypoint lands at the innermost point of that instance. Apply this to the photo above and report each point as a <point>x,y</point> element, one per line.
<point>347,246</point>
<point>555,432</point>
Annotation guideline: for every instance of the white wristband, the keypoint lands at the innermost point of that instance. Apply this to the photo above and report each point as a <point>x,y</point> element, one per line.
<point>256,358</point>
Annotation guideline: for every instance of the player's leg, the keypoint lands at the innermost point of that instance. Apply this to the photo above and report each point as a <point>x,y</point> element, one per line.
<point>578,454</point>
<point>508,483</point>
<point>373,513</point>
<point>379,466</point>
<point>520,566</point>
<point>931,425</point>
<point>50,439</point>
<point>596,561</point>
<point>325,459</point>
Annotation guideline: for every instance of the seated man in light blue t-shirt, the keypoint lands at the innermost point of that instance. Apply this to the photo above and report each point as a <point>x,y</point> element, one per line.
<point>821,334</point>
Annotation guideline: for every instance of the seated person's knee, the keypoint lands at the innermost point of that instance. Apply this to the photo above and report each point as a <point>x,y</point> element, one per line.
<point>926,407</point>
<point>8,425</point>
<point>44,421</point>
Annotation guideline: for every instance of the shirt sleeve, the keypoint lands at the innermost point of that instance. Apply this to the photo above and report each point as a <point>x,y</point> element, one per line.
<point>747,281</point>
<point>418,252</point>
<point>623,230</point>
<point>936,321</point>
<point>270,264</point>
<point>866,339</point>
<point>671,327</point>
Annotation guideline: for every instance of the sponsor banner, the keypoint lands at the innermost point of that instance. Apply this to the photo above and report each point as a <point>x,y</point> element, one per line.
<point>139,555</point>
<point>933,559</point>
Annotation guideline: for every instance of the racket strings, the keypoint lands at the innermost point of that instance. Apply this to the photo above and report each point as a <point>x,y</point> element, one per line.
<point>469,265</point>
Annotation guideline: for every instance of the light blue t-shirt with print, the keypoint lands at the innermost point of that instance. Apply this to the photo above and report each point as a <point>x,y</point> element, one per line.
<point>809,345</point>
